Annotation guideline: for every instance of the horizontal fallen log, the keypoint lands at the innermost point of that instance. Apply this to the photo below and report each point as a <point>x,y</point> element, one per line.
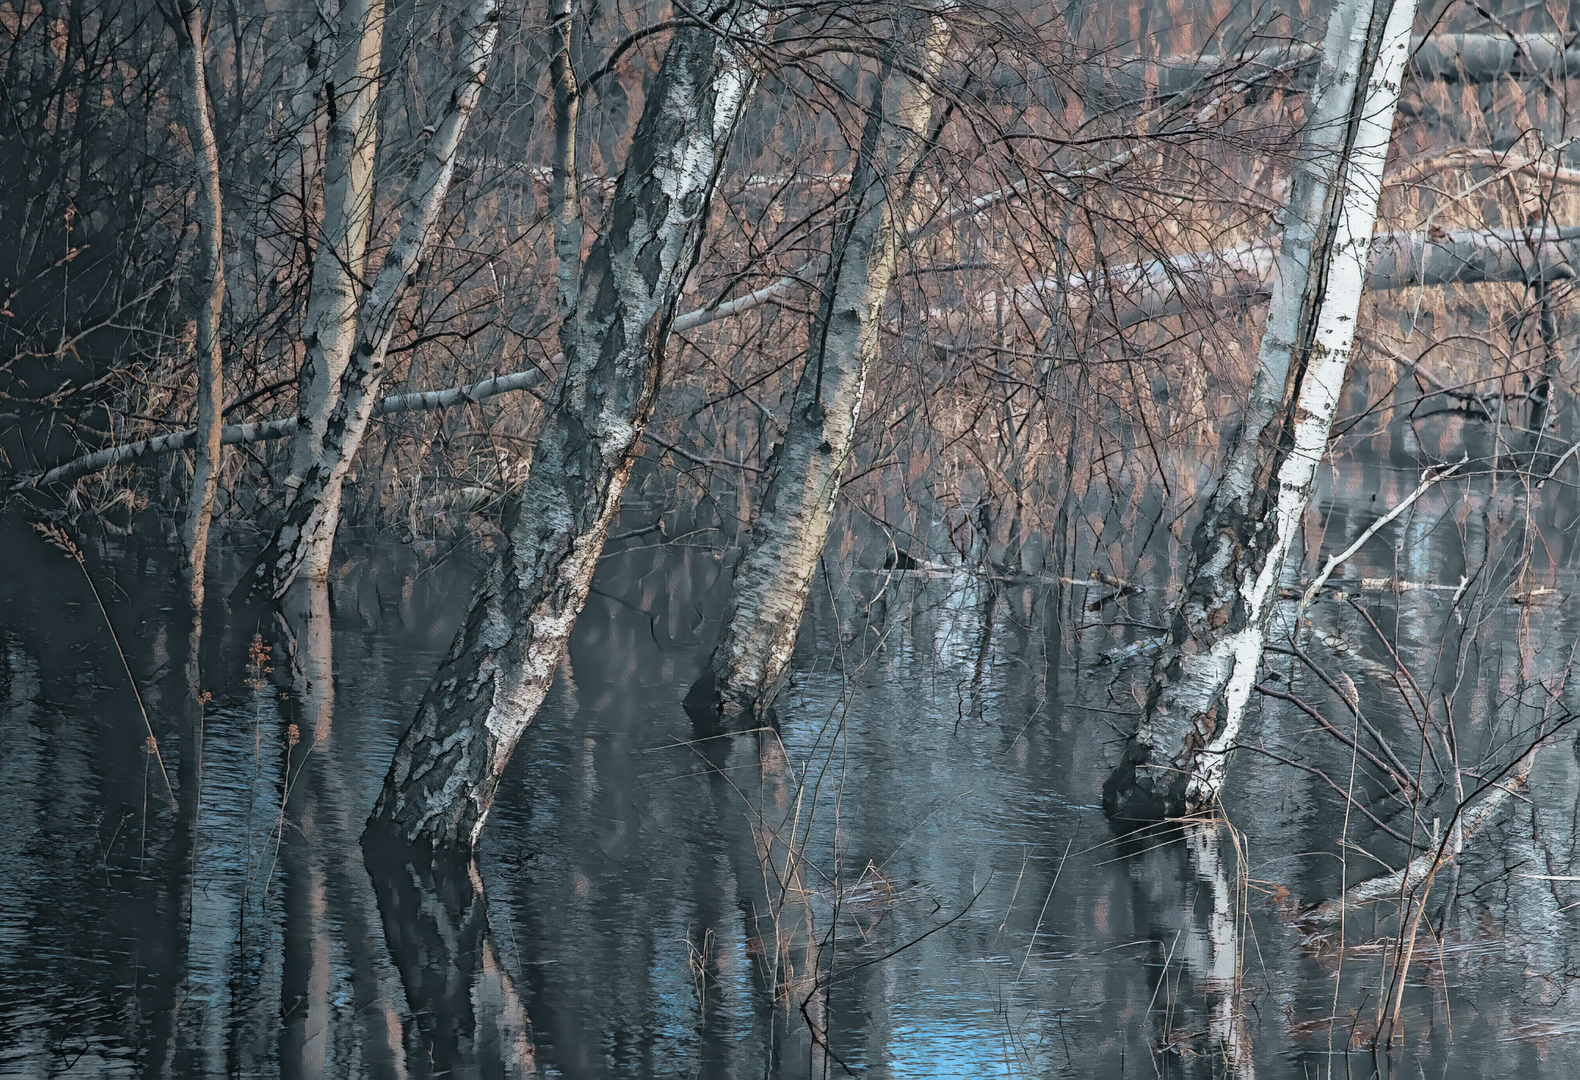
<point>421,401</point>
<point>1135,293</point>
<point>264,430</point>
<point>1462,58</point>
<point>1128,295</point>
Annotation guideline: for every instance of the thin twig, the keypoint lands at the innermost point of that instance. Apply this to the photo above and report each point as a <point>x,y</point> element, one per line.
<point>1427,480</point>
<point>56,536</point>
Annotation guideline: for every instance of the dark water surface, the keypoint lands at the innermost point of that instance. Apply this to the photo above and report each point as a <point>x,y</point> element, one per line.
<point>923,843</point>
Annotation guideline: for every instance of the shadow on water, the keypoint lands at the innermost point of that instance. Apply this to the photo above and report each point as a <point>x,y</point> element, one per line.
<point>907,877</point>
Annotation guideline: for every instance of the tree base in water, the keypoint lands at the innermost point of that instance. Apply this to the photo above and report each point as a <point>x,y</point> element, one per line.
<point>1131,796</point>
<point>712,714</point>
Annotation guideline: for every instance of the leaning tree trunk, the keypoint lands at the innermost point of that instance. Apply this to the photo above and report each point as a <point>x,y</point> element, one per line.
<point>1201,683</point>
<point>308,530</point>
<point>776,568</point>
<point>340,256</point>
<point>489,686</point>
<point>210,278</point>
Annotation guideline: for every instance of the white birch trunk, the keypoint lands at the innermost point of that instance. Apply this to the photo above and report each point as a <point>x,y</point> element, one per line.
<point>776,567</point>
<point>312,517</point>
<point>339,261</point>
<point>448,765</point>
<point>566,194</point>
<point>1202,682</point>
<point>297,135</point>
<point>210,278</point>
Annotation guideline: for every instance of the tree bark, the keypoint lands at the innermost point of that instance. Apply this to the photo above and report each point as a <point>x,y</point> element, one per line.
<point>448,765</point>
<point>339,261</point>
<point>777,565</point>
<point>1201,683</point>
<point>210,279</point>
<point>308,530</point>
<point>566,193</point>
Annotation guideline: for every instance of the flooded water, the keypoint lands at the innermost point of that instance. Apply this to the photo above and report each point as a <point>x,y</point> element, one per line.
<point>911,879</point>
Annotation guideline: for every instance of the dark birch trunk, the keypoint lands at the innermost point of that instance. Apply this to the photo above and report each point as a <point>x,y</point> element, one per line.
<point>340,259</point>
<point>1201,682</point>
<point>488,688</point>
<point>1543,449</point>
<point>210,279</point>
<point>776,568</point>
<point>308,530</point>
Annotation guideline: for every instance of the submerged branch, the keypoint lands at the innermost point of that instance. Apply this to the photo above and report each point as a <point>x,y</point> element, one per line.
<point>1404,504</point>
<point>1468,819</point>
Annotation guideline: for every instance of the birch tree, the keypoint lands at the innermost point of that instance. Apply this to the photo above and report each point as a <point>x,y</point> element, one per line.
<point>490,684</point>
<point>210,282</point>
<point>776,567</point>
<point>1201,683</point>
<point>339,260</point>
<point>307,533</point>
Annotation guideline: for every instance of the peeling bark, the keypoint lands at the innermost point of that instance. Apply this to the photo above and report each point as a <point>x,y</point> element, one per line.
<point>776,567</point>
<point>308,531</point>
<point>339,261</point>
<point>210,278</point>
<point>448,765</point>
<point>1201,683</point>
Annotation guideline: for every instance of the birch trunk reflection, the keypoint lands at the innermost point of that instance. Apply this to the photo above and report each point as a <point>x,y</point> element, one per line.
<point>467,1013</point>
<point>330,914</point>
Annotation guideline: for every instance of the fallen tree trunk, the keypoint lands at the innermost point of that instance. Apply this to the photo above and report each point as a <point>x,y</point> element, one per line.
<point>1137,293</point>
<point>490,684</point>
<point>266,430</point>
<point>1201,683</point>
<point>1469,820</point>
<point>1464,58</point>
<point>1129,295</point>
